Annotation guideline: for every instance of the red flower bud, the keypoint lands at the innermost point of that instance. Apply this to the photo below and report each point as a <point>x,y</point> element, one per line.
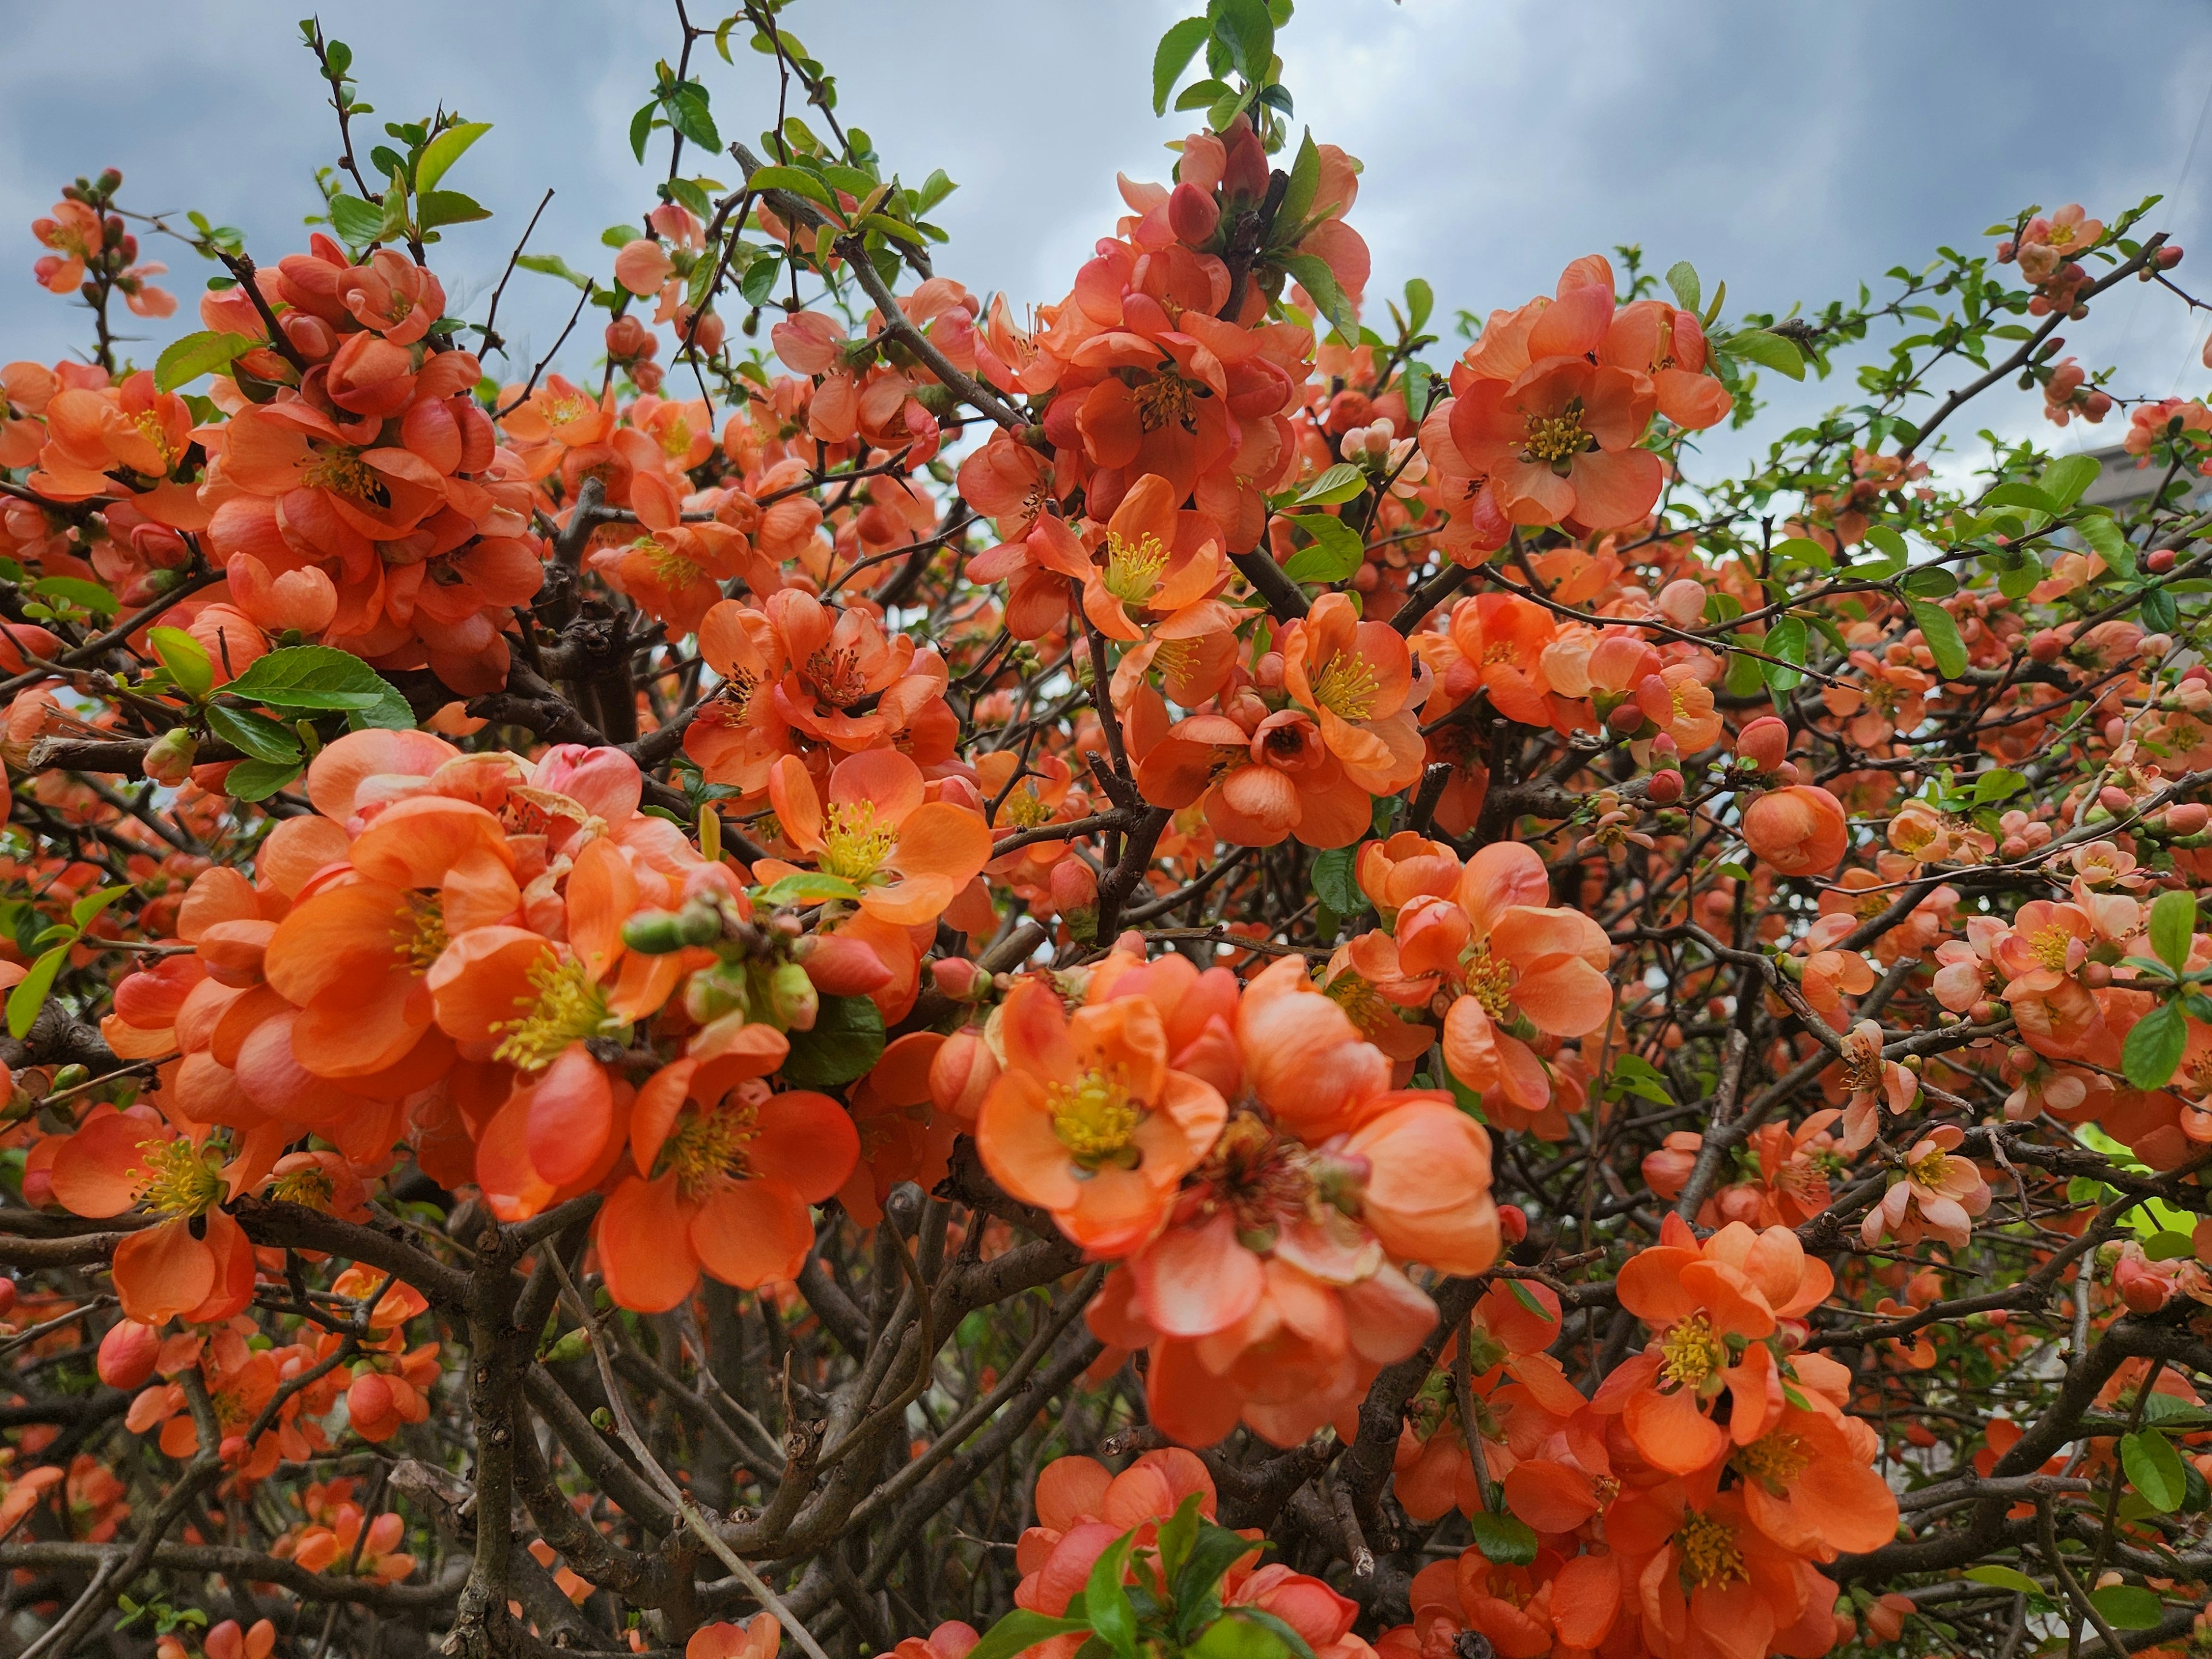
<point>1512,1223</point>
<point>1193,214</point>
<point>1665,788</point>
<point>2186,820</point>
<point>2048,646</point>
<point>127,1354</point>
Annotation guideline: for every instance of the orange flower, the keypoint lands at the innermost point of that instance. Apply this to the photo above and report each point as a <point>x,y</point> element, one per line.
<point>1801,830</point>
<point>675,570</point>
<point>120,1159</point>
<point>1089,1121</point>
<point>1162,564</point>
<point>908,857</point>
<point>1504,645</point>
<point>727,1173</point>
<point>1355,678</point>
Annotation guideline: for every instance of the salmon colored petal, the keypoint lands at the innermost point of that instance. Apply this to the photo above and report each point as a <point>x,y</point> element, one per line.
<point>751,1231</point>
<point>1013,1131</point>
<point>798,804</point>
<point>571,1116</point>
<point>162,1272</point>
<point>806,1141</point>
<point>645,1247</point>
<point>654,1113</point>
<point>92,1171</point>
<point>911,902</point>
<point>1194,1281</point>
<point>1035,1032</point>
<point>412,844</point>
<point>1650,1285</point>
<point>883,778</point>
<point>1500,876</point>
<point>601,896</point>
<point>333,937</point>
<point>354,1032</point>
<point>1671,1432</point>
<point>1565,996</point>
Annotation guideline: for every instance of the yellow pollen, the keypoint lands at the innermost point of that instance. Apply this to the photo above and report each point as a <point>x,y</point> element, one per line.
<point>342,472</point>
<point>1709,1552</point>
<point>175,1179</point>
<point>1165,399</point>
<point>561,410</point>
<point>671,566</point>
<point>150,429</point>
<point>1094,1118</point>
<point>677,439</point>
<point>568,1007</point>
<point>853,845</point>
<point>1346,686</point>
<point>1693,1352</point>
<point>710,1147</point>
<point>418,933</point>
<point>1555,438</point>
<point>1489,980</point>
<point>2050,946</point>
<point>1774,1459</point>
<point>311,1189</point>
<point>1025,808</point>
<point>1928,1170</point>
<point>1132,573</point>
<point>1359,999</point>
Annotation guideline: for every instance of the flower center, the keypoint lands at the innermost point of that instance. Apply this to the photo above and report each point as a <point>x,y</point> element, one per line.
<point>1095,1118</point>
<point>1692,1351</point>
<point>1132,572</point>
<point>418,933</point>
<point>310,1188</point>
<point>342,472</point>
<point>835,677</point>
<point>676,437</point>
<point>1025,808</point>
<point>1555,438</point>
<point>150,429</point>
<point>1709,1552</point>
<point>1929,1170</point>
<point>2050,947</point>
<point>1774,1459</point>
<point>1346,686</point>
<point>671,566</point>
<point>568,1007</point>
<point>175,1179</point>
<point>1165,399</point>
<point>1489,980</point>
<point>854,846</point>
<point>710,1147</point>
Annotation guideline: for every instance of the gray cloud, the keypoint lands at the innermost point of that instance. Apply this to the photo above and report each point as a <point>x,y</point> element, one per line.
<point>1791,150</point>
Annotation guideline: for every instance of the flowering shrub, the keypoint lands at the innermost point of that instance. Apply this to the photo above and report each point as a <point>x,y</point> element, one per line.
<point>1162,971</point>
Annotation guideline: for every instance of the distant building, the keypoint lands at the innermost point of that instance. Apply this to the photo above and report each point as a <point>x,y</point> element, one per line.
<point>2121,483</point>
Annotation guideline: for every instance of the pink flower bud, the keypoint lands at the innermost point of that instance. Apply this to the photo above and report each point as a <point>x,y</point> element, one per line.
<point>127,1353</point>
<point>1682,602</point>
<point>1193,214</point>
<point>1074,886</point>
<point>2048,646</point>
<point>2113,798</point>
<point>955,976</point>
<point>2188,818</point>
<point>1512,1223</point>
<point>1665,787</point>
<point>1765,742</point>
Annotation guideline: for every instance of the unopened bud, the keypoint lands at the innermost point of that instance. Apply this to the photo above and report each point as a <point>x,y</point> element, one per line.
<point>792,999</point>
<point>653,932</point>
<point>1627,719</point>
<point>2114,799</point>
<point>1512,1223</point>
<point>2186,818</point>
<point>572,1346</point>
<point>1665,788</point>
<point>127,1354</point>
<point>714,991</point>
<point>2159,560</point>
<point>955,976</point>
<point>1764,743</point>
<point>1682,602</point>
<point>169,757</point>
<point>1193,214</point>
<point>2048,645</point>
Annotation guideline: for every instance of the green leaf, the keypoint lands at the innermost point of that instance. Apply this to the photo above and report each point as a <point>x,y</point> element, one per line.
<point>2065,478</point>
<point>1335,882</point>
<point>1803,549</point>
<point>1178,1534</point>
<point>1503,1541</point>
<point>30,993</point>
<point>255,735</point>
<point>1338,549</point>
<point>1682,278</point>
<point>87,910</point>
<point>796,181</point>
<point>74,590</point>
<point>1172,57</point>
<point>357,221</point>
<point>1997,785</point>
<point>2155,1046</point>
<point>2168,1246</point>
<point>1191,1584</point>
<point>184,657</point>
<point>1895,553</point>
<point>1245,29</point>
<point>1298,197</point>
<point>185,361</point>
<point>2173,926</point>
<point>1745,674</point>
<point>1019,1629</point>
<point>1106,1602</point>
<point>1786,640</point>
<point>2154,1469</point>
<point>2109,542</point>
<point>1339,483</point>
<point>552,265</point>
<point>444,150</point>
<point>1942,636</point>
<point>2016,494</point>
<point>846,1042</point>
<point>1248,1633</point>
<point>1930,581</point>
<point>686,104</point>
<point>446,207</point>
<point>2128,1607</point>
<point>311,677</point>
<point>258,779</point>
<point>2011,1578</point>
<point>640,129</point>
<point>1768,350</point>
<point>1319,280</point>
<point>760,279</point>
<point>805,887</point>
<point>1421,301</point>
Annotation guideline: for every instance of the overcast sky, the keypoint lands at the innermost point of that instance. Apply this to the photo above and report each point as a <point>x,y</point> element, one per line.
<point>1789,149</point>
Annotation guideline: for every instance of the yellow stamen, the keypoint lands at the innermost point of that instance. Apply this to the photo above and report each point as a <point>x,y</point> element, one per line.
<point>1489,980</point>
<point>1693,1352</point>
<point>342,472</point>
<point>570,1006</point>
<point>1132,573</point>
<point>1346,686</point>
<point>1774,1459</point>
<point>177,1179</point>
<point>1556,437</point>
<point>418,933</point>
<point>1094,1117</point>
<point>1025,808</point>
<point>1709,1552</point>
<point>853,845</point>
<point>710,1147</point>
<point>310,1188</point>
<point>835,677</point>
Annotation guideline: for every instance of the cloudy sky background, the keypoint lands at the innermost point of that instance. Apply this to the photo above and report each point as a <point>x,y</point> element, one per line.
<point>1791,150</point>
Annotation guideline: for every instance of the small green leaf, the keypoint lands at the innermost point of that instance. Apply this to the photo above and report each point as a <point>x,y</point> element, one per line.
<point>1930,581</point>
<point>2003,1577</point>
<point>311,677</point>
<point>1106,1601</point>
<point>75,590</point>
<point>1319,280</point>
<point>552,265</point>
<point>2109,542</point>
<point>2154,1047</point>
<point>804,887</point>
<point>258,779</point>
<point>2065,478</point>
<point>1682,279</point>
<point>254,735</point>
<point>87,910</point>
<point>357,222</point>
<point>1246,1632</point>
<point>1021,1629</point>
<point>796,181</point>
<point>1803,549</point>
<point>446,207</point>
<point>846,1042</point>
<point>30,993</point>
<point>1768,350</point>
<point>640,129</point>
<point>1503,1541</point>
<point>1339,483</point>
<point>2172,927</point>
<point>1299,197</point>
<point>686,104</point>
<point>186,659</point>
<point>1786,640</point>
<point>1894,550</point>
<point>185,361</point>
<point>1942,634</point>
<point>1338,549</point>
<point>1420,302</point>
<point>1172,57</point>
<point>1335,882</point>
<point>2154,1469</point>
<point>1247,30</point>
<point>444,150</point>
<point>2128,1607</point>
<point>2168,1246</point>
